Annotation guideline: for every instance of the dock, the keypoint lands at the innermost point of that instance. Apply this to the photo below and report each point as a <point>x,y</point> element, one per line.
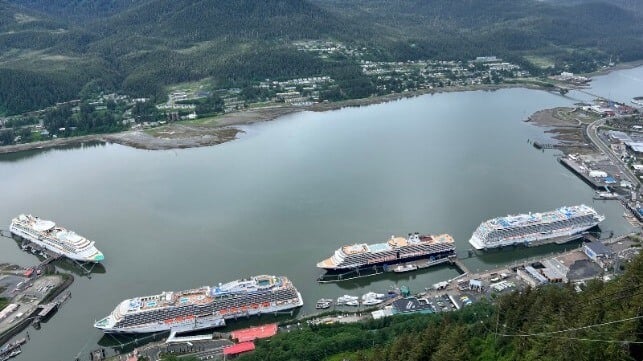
<point>379,269</point>
<point>350,275</point>
<point>575,168</point>
<point>458,263</point>
<point>46,309</point>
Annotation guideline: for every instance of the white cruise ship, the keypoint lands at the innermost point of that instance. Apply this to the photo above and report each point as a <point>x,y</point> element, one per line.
<point>202,308</point>
<point>56,239</point>
<point>396,250</point>
<point>534,228</point>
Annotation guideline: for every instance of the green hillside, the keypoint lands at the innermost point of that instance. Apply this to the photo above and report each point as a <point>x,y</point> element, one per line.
<point>77,9</point>
<point>467,27</point>
<point>140,46</point>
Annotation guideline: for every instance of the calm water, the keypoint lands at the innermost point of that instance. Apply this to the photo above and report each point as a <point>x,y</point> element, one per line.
<point>287,194</point>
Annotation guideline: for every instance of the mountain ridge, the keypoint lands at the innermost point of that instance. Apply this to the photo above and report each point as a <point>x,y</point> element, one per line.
<point>140,46</point>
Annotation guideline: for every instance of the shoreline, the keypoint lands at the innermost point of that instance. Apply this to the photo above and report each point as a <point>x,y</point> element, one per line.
<point>223,128</point>
<point>620,66</point>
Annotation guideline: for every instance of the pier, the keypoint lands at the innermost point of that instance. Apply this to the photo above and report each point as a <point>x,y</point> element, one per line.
<point>379,269</point>
<point>575,168</point>
<point>459,264</point>
<point>46,309</point>
<point>350,275</point>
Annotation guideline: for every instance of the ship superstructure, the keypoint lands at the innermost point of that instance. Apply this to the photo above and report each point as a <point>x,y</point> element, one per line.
<point>396,250</point>
<point>534,228</point>
<point>202,308</point>
<point>55,238</point>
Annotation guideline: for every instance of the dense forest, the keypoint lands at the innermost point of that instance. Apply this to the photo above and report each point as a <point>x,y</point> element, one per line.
<point>50,49</point>
<point>603,322</point>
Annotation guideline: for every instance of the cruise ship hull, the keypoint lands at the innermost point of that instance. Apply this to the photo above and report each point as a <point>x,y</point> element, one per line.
<point>531,239</point>
<point>396,250</point>
<point>392,260</point>
<point>35,239</point>
<point>198,323</point>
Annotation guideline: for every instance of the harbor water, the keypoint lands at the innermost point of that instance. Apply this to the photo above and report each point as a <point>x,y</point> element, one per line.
<point>288,193</point>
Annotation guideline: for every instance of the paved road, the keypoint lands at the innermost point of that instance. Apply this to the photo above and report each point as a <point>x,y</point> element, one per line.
<point>592,133</point>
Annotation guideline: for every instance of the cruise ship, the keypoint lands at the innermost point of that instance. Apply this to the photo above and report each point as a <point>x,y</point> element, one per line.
<point>396,250</point>
<point>202,308</point>
<point>55,238</point>
<point>534,228</point>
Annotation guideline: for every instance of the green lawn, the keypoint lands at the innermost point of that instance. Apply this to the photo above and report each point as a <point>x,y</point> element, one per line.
<point>542,62</point>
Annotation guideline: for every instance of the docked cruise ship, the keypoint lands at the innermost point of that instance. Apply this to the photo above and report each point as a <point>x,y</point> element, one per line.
<point>534,228</point>
<point>202,308</point>
<point>56,239</point>
<point>396,250</point>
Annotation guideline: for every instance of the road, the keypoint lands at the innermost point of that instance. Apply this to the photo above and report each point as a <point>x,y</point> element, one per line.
<point>592,133</point>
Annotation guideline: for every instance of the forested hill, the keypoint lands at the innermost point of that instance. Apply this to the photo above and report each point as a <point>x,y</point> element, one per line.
<point>635,5</point>
<point>81,10</point>
<point>603,322</point>
<point>463,27</point>
<point>140,46</point>
<point>201,20</point>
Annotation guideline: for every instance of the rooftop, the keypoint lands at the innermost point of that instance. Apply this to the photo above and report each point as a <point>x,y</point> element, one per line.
<point>598,248</point>
<point>411,304</point>
<point>252,333</point>
<point>239,348</point>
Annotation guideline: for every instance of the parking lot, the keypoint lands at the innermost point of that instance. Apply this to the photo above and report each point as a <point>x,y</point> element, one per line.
<point>27,294</point>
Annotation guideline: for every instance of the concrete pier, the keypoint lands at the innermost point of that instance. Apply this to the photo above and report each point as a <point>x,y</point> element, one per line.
<point>575,168</point>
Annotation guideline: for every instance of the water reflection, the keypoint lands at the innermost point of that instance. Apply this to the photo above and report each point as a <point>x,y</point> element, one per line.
<point>20,156</point>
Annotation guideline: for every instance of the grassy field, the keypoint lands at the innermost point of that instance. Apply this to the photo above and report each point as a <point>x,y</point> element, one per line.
<point>540,61</point>
<point>3,303</point>
<point>203,84</point>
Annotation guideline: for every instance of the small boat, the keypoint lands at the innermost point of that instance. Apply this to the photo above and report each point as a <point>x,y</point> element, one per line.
<point>346,299</point>
<point>606,195</point>
<point>323,304</point>
<point>352,303</point>
<point>15,353</point>
<point>373,295</point>
<point>371,302</point>
<point>405,268</point>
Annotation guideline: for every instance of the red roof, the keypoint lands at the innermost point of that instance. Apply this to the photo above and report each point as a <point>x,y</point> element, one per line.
<point>253,333</point>
<point>239,348</point>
